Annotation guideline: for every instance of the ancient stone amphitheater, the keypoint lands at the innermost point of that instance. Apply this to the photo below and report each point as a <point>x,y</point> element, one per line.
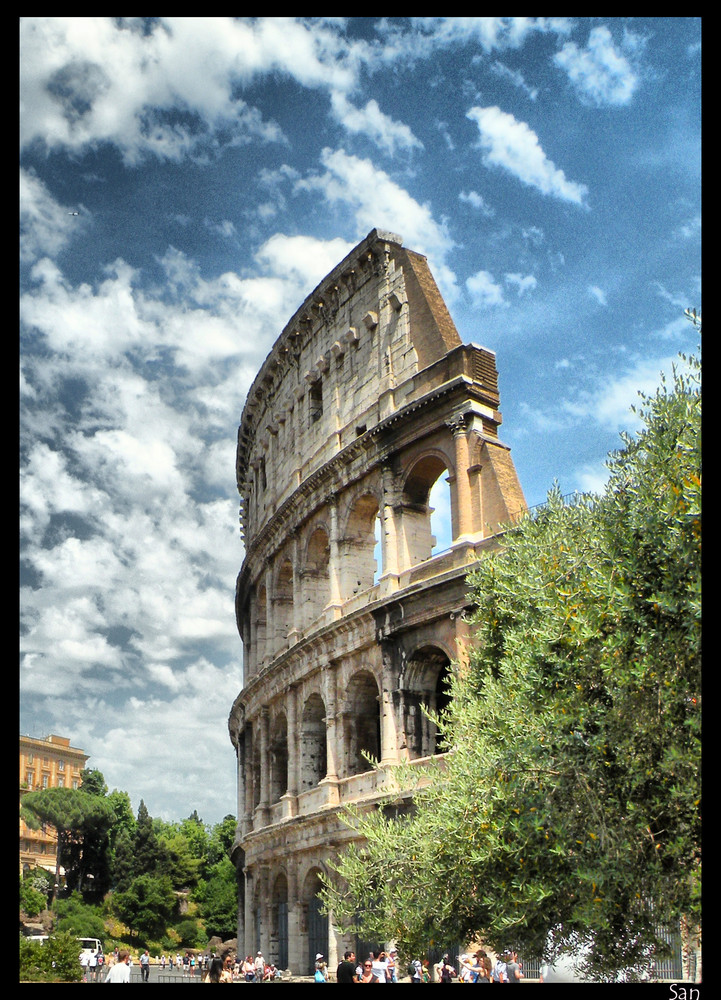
<point>349,617</point>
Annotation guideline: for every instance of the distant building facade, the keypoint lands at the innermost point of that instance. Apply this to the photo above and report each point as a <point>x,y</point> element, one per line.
<point>45,763</point>
<point>349,620</point>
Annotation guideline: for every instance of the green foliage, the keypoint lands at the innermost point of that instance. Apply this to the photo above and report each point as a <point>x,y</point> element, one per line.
<point>566,816</point>
<point>146,906</point>
<point>190,934</point>
<point>93,782</point>
<point>55,961</point>
<point>78,918</point>
<point>32,900</point>
<point>218,899</point>
<point>82,822</point>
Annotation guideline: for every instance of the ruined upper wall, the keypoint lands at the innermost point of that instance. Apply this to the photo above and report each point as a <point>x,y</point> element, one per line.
<point>343,363</point>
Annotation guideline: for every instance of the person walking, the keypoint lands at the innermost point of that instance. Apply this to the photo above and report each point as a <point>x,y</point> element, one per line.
<point>145,966</point>
<point>120,972</point>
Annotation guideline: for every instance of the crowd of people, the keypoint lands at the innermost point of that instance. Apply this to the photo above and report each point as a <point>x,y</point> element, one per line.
<point>382,967</point>
<point>378,967</point>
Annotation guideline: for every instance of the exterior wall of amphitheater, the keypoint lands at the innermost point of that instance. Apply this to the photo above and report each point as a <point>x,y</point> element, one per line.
<point>349,620</point>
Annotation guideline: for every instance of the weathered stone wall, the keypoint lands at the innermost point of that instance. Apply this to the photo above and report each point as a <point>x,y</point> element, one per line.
<point>350,621</point>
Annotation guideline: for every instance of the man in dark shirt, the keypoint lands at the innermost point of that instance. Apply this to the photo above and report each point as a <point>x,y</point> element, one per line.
<point>346,970</point>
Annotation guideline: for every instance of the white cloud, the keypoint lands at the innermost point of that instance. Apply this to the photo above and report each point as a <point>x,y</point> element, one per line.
<point>485,291</point>
<point>609,406</point>
<point>88,80</point>
<point>45,226</point>
<point>477,201</point>
<point>371,122</point>
<point>513,146</point>
<point>600,73</point>
<point>522,282</point>
<point>377,201</point>
<point>598,294</point>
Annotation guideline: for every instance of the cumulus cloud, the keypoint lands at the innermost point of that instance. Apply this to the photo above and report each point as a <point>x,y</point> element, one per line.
<point>163,86</point>
<point>522,282</point>
<point>514,147</point>
<point>600,73</point>
<point>370,121</point>
<point>477,201</point>
<point>377,201</point>
<point>485,291</point>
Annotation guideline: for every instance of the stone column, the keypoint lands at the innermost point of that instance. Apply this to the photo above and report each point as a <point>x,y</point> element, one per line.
<point>240,769</point>
<point>290,799</point>
<point>264,765</point>
<point>461,486</point>
<point>389,737</point>
<point>334,601</point>
<point>264,903</point>
<point>332,750</point>
<point>295,941</point>
<point>389,534</point>
<point>270,647</point>
<point>297,629</point>
<point>247,813</point>
<point>248,944</point>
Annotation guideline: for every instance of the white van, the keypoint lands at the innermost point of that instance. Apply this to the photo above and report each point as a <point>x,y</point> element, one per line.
<point>90,946</point>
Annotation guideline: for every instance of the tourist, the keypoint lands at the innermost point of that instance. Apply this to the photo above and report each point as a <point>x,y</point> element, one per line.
<point>499,970</point>
<point>513,968</point>
<point>346,971</point>
<point>248,969</point>
<point>380,966</point>
<point>445,972</point>
<point>145,966</point>
<point>120,972</point>
<point>367,975</point>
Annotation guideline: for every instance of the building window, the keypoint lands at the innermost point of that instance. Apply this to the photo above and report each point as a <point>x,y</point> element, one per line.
<point>315,400</point>
<point>45,781</point>
<point>61,765</point>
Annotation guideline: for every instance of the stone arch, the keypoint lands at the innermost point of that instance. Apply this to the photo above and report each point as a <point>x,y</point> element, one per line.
<point>260,617</point>
<point>417,538</point>
<point>283,603</point>
<point>313,747</point>
<point>424,687</point>
<point>279,921</point>
<point>278,757</point>
<point>316,575</point>
<point>362,722</point>
<point>314,926</point>
<point>359,558</point>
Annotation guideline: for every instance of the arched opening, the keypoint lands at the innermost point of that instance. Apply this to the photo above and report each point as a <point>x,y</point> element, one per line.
<point>313,748</point>
<point>360,563</point>
<point>283,604</point>
<point>279,923</point>
<point>316,585</point>
<point>279,758</point>
<point>260,610</point>
<point>425,485</point>
<point>316,922</point>
<point>362,730</point>
<point>425,688</point>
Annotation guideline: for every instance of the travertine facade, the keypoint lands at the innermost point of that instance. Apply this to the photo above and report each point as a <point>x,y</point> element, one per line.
<point>349,621</point>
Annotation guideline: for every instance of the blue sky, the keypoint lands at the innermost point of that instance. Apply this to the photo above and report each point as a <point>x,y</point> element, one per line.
<point>185,183</point>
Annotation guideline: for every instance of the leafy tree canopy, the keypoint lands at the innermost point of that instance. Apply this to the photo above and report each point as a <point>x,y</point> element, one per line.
<point>566,816</point>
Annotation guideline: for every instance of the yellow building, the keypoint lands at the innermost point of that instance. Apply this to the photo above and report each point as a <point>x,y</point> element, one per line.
<point>45,763</point>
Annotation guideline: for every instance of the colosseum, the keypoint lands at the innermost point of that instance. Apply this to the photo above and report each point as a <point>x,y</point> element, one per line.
<point>368,411</point>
